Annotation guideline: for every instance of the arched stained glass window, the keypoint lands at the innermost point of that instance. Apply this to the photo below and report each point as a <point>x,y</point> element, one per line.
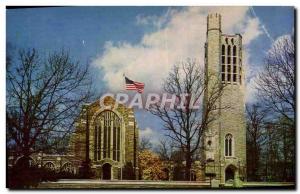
<point>234,50</point>
<point>49,165</point>
<point>67,167</point>
<point>229,50</point>
<point>228,145</point>
<point>107,136</point>
<point>223,49</point>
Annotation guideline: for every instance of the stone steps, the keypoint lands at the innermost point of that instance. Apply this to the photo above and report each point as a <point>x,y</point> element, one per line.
<point>100,184</point>
<point>138,184</point>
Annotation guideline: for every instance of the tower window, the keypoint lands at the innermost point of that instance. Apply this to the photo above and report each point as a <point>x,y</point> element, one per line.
<point>234,50</point>
<point>228,50</point>
<point>223,68</point>
<point>234,77</point>
<point>228,68</point>
<point>228,145</point>
<point>223,77</point>
<point>234,60</point>
<point>229,77</point>
<point>234,69</point>
<point>228,60</point>
<point>223,59</point>
<point>223,49</point>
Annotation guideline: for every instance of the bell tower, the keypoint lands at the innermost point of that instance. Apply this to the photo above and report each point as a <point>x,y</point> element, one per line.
<point>224,141</point>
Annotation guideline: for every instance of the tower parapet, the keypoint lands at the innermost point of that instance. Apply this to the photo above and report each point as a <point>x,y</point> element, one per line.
<point>214,22</point>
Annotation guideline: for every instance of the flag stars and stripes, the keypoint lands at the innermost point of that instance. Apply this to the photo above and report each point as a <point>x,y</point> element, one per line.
<point>133,85</point>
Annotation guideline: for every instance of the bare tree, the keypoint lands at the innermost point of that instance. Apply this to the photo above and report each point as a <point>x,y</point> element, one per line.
<point>271,126</point>
<point>256,137</point>
<point>185,125</point>
<point>44,96</point>
<point>276,84</point>
<point>165,149</point>
<point>145,144</point>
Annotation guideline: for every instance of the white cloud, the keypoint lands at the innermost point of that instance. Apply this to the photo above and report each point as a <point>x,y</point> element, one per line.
<point>149,133</point>
<point>251,31</point>
<point>179,34</point>
<point>153,20</point>
<point>250,95</point>
<point>146,132</point>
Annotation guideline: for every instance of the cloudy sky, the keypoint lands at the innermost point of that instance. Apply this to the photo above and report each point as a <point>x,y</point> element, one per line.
<point>144,42</point>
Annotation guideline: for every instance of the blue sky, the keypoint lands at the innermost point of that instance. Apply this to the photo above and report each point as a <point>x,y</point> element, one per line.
<point>142,42</point>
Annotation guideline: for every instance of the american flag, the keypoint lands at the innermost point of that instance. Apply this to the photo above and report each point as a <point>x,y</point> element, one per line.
<point>132,85</point>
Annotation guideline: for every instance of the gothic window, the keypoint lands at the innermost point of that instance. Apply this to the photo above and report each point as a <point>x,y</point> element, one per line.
<point>234,73</point>
<point>228,50</point>
<point>223,54</point>
<point>223,49</point>
<point>228,59</point>
<point>228,145</point>
<point>223,60</point>
<point>107,136</point>
<point>223,68</point>
<point>67,167</point>
<point>228,77</point>
<point>50,166</point>
<point>228,68</point>
<point>234,50</point>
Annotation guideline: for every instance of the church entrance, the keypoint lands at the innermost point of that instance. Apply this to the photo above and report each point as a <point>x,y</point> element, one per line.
<point>229,173</point>
<point>106,171</point>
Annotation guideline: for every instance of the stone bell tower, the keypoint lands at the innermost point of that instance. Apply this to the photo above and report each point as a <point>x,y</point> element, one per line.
<point>224,141</point>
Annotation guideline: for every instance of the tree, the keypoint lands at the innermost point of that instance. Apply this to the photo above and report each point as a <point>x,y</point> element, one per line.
<point>44,96</point>
<point>276,84</point>
<point>151,167</point>
<point>256,137</point>
<point>165,149</point>
<point>145,144</point>
<point>276,91</point>
<point>287,147</point>
<point>278,155</point>
<point>184,123</point>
